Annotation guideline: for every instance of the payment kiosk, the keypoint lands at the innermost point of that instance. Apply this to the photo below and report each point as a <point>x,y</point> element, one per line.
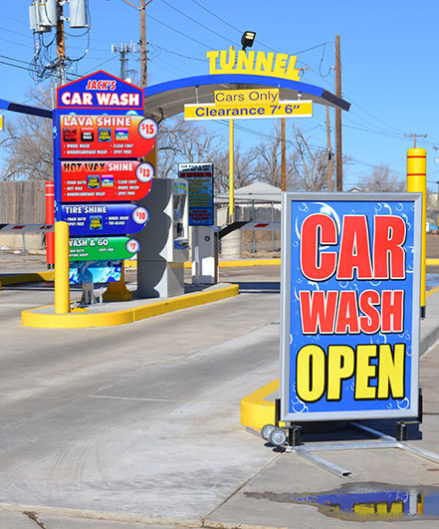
<point>164,241</point>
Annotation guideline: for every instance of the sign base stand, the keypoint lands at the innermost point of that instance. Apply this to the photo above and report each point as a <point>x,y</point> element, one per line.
<point>117,290</point>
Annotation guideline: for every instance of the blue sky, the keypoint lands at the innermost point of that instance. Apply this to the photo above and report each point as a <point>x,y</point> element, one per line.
<point>389,56</point>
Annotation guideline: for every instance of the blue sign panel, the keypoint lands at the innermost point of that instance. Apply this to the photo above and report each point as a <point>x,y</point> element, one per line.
<point>95,272</point>
<point>350,306</point>
<point>104,219</point>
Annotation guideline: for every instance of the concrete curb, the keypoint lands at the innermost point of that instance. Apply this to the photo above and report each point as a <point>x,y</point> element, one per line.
<point>109,516</point>
<point>40,317</point>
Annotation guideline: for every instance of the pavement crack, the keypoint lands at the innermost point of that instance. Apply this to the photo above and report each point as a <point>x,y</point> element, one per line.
<point>205,520</point>
<point>34,517</point>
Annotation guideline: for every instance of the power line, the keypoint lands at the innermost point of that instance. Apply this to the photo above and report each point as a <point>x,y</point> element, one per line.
<point>203,44</point>
<point>216,16</point>
<point>179,54</point>
<point>196,21</point>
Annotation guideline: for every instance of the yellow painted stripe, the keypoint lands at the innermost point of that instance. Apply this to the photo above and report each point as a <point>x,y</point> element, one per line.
<point>75,320</point>
<point>432,262</point>
<point>28,278</point>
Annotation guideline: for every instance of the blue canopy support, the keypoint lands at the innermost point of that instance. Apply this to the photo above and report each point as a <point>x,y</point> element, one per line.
<point>25,109</point>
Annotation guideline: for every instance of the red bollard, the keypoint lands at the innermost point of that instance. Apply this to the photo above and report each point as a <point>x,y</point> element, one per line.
<point>50,219</point>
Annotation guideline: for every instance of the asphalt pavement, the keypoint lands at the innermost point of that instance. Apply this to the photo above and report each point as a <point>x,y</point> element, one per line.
<point>138,426</point>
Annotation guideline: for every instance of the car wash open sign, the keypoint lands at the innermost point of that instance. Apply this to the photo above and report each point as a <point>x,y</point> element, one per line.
<point>350,306</point>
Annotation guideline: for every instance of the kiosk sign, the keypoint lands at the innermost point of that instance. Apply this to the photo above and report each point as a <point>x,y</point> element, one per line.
<point>199,177</point>
<point>350,306</point>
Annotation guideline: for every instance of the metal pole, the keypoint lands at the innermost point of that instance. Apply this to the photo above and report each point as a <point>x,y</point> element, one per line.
<point>50,219</point>
<point>338,116</point>
<point>283,184</point>
<point>417,182</point>
<point>143,58</point>
<point>60,45</point>
<point>329,146</point>
<point>231,176</point>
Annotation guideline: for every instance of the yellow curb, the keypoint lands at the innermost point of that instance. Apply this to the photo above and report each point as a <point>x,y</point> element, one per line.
<point>31,318</point>
<point>226,264</point>
<point>256,412</point>
<point>432,291</point>
<point>28,278</point>
<point>250,262</point>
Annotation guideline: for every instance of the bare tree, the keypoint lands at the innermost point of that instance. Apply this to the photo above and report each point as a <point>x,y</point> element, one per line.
<point>181,141</point>
<point>309,164</point>
<point>268,156</point>
<point>28,145</point>
<point>382,179</point>
<point>243,169</point>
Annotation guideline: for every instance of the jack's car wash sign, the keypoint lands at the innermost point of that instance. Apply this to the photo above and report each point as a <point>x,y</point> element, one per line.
<point>350,306</point>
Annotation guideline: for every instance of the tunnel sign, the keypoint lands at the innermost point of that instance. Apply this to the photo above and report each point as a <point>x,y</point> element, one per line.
<point>350,306</point>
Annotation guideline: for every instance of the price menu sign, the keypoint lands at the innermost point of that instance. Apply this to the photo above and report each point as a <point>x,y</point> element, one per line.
<point>96,181</point>
<point>84,136</point>
<point>102,248</point>
<point>104,219</point>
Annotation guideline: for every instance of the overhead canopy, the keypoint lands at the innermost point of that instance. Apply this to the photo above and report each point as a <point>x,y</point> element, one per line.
<point>168,99</point>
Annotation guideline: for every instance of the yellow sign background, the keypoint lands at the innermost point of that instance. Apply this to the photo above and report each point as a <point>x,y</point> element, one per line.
<point>230,98</point>
<point>284,109</point>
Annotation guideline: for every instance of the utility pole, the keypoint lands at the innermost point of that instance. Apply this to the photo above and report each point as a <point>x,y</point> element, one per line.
<point>414,136</point>
<point>283,181</point>
<point>143,57</point>
<point>339,165</point>
<point>60,45</point>
<point>123,50</point>
<point>142,42</point>
<point>329,147</point>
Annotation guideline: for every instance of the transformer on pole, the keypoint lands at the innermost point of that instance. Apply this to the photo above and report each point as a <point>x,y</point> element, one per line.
<point>44,14</point>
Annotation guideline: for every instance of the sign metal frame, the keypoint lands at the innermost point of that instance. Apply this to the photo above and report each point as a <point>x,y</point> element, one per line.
<point>291,339</point>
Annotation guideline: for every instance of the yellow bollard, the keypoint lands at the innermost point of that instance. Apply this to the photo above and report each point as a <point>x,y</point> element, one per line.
<point>62,287</point>
<point>417,182</point>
